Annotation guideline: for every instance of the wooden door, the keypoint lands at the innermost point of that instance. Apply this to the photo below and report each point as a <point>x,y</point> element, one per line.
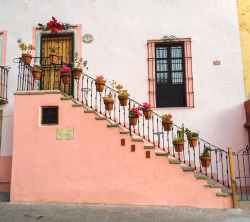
<point>51,72</point>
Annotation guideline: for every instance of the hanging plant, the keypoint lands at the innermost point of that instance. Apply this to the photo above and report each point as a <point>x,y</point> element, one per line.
<point>133,116</point>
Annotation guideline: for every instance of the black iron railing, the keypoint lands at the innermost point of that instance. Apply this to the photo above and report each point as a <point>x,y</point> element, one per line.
<point>150,130</point>
<point>153,132</point>
<point>242,173</point>
<point>4,71</point>
<point>50,78</point>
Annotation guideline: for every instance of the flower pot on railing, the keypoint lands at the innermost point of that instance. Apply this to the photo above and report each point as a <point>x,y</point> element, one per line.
<point>123,100</point>
<point>53,57</point>
<point>192,141</point>
<point>36,73</point>
<point>133,120</point>
<point>109,104</point>
<point>99,85</point>
<point>147,113</point>
<point>77,72</point>
<point>205,161</point>
<point>65,76</point>
<point>167,125</point>
<point>26,58</point>
<point>178,146</point>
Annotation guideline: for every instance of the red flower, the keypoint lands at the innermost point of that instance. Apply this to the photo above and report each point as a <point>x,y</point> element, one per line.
<point>54,25</point>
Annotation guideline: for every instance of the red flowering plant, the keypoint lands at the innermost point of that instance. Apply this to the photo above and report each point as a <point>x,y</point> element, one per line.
<point>65,69</point>
<point>145,106</point>
<point>54,26</point>
<point>134,112</point>
<point>100,79</point>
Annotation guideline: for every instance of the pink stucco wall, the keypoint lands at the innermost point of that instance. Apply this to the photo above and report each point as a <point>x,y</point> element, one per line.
<point>93,167</point>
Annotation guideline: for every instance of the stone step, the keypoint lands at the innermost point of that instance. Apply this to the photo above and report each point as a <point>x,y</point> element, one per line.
<point>187,169</point>
<point>137,139</point>
<point>149,147</point>
<point>67,98</point>
<point>157,153</point>
<point>100,118</point>
<point>222,194</point>
<point>173,161</point>
<point>113,125</point>
<point>200,176</point>
<point>89,111</point>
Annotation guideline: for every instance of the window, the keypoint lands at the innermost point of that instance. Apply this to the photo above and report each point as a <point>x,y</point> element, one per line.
<point>170,73</point>
<point>49,115</point>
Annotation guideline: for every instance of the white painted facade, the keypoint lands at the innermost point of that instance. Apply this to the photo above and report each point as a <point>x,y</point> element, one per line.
<point>119,51</point>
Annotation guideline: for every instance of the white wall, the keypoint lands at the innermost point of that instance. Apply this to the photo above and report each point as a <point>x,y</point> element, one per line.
<point>121,30</point>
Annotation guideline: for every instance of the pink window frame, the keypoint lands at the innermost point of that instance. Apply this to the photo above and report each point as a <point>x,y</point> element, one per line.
<point>188,72</point>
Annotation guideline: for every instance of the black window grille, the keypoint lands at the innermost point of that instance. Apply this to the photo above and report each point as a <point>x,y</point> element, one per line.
<point>170,73</point>
<point>50,115</point>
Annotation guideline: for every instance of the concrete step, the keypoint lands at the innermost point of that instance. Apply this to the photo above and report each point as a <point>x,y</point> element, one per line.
<point>173,161</point>
<point>187,169</point>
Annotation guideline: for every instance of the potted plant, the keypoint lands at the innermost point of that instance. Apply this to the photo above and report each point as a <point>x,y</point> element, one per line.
<point>65,74</point>
<point>192,137</point>
<point>147,111</point>
<point>53,55</point>
<point>36,71</point>
<point>179,140</point>
<point>133,116</point>
<point>123,95</point>
<point>167,122</point>
<point>108,101</point>
<point>26,52</point>
<point>206,157</point>
<point>100,83</point>
<point>78,66</point>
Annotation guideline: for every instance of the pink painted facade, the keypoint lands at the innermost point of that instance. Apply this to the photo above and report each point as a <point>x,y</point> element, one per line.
<point>93,167</point>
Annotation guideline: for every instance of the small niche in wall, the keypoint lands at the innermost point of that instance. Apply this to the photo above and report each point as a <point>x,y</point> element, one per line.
<point>49,115</point>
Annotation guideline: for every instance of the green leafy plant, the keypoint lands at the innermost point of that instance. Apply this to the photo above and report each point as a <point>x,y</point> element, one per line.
<point>180,135</point>
<point>189,133</point>
<point>37,66</point>
<point>53,49</point>
<point>166,117</point>
<point>206,152</point>
<point>108,97</point>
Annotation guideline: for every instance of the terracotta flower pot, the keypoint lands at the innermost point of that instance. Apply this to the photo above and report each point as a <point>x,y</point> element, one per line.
<point>26,58</point>
<point>36,73</point>
<point>99,85</point>
<point>133,120</point>
<point>205,161</point>
<point>123,100</point>
<point>192,141</point>
<point>77,72</point>
<point>147,113</point>
<point>167,125</point>
<point>109,104</point>
<point>65,77</point>
<point>53,58</point>
<point>178,146</point>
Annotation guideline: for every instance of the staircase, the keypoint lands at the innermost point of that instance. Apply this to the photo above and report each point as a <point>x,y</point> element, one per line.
<point>146,147</point>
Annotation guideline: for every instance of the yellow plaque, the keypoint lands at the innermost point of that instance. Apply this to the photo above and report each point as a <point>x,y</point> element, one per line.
<point>65,133</point>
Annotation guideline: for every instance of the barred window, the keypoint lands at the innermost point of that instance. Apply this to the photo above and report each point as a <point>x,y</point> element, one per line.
<point>49,115</point>
<point>170,73</point>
